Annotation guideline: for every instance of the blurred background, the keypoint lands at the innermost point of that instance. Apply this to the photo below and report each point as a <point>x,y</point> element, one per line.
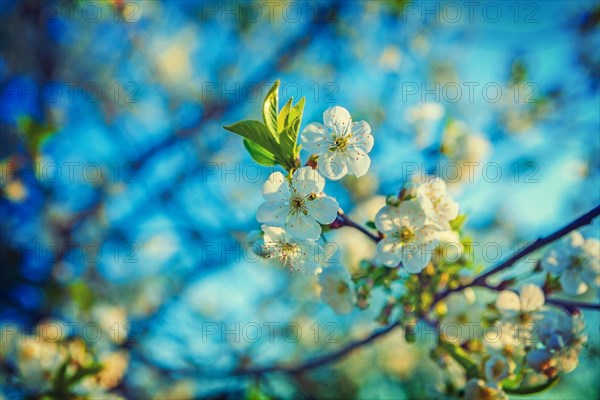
<point>126,208</point>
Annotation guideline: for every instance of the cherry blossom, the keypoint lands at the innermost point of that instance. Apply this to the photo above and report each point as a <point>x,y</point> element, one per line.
<point>297,255</point>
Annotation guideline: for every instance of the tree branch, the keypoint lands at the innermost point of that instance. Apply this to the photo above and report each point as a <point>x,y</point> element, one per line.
<point>571,306</point>
<point>346,221</point>
<point>585,219</point>
<point>322,360</point>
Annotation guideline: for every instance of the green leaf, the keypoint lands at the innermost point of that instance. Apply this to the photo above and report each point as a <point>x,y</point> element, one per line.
<point>34,134</point>
<point>534,389</point>
<point>296,111</point>
<point>288,139</point>
<point>256,132</point>
<point>271,109</point>
<point>458,222</point>
<point>371,224</point>
<point>461,357</point>
<point>283,114</point>
<point>82,372</point>
<point>259,153</point>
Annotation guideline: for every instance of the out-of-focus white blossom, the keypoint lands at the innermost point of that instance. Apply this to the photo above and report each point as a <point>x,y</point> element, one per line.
<point>528,301</point>
<point>337,289</point>
<point>577,261</point>
<point>477,389</point>
<point>499,368</point>
<point>439,207</point>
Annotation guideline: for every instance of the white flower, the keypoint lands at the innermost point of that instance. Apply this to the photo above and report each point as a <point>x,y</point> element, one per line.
<point>449,249</point>
<point>337,289</point>
<point>297,204</point>
<point>530,300</point>
<point>296,254</point>
<point>563,336</point>
<point>463,320</point>
<point>408,237</point>
<point>499,368</point>
<point>438,206</point>
<point>540,360</point>
<point>477,389</point>
<point>342,145</point>
<point>578,262</point>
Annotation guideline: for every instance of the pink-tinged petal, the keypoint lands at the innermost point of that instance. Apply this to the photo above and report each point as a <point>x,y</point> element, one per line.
<point>508,302</point>
<point>413,259</point>
<point>411,214</point>
<point>387,252</point>
<point>362,138</point>
<point>388,220</point>
<point>358,162</point>
<point>276,188</point>
<point>337,119</point>
<point>272,213</point>
<point>303,227</point>
<point>532,298</point>
<point>323,209</point>
<point>332,166</point>
<point>307,180</point>
<point>572,284</point>
<point>316,138</point>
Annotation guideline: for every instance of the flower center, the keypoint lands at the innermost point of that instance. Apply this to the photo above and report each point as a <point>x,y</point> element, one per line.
<point>342,288</point>
<point>405,234</point>
<point>497,369</point>
<point>289,251</point>
<point>298,205</point>
<point>340,143</point>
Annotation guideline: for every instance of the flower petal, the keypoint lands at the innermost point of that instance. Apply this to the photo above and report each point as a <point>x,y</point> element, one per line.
<point>387,220</point>
<point>413,259</point>
<point>303,227</point>
<point>387,252</point>
<point>276,187</point>
<point>273,234</point>
<point>272,213</point>
<point>572,283</point>
<point>316,138</point>
<point>361,136</point>
<point>323,209</point>
<point>307,180</point>
<point>332,165</point>
<point>338,119</point>
<point>532,298</point>
<point>358,162</point>
<point>508,302</point>
<point>412,214</point>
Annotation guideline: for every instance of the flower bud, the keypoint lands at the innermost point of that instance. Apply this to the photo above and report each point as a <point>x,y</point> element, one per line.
<point>409,191</point>
<point>392,201</point>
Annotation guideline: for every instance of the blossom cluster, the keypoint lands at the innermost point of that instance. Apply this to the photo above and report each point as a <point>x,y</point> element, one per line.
<point>537,339</point>
<point>62,366</point>
<point>296,206</point>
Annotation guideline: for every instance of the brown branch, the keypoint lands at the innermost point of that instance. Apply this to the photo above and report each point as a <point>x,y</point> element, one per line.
<point>585,219</point>
<point>322,360</point>
<point>344,220</point>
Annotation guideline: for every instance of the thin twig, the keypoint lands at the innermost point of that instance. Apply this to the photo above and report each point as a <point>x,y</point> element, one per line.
<point>585,219</point>
<point>322,360</point>
<point>573,305</point>
<point>346,221</point>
